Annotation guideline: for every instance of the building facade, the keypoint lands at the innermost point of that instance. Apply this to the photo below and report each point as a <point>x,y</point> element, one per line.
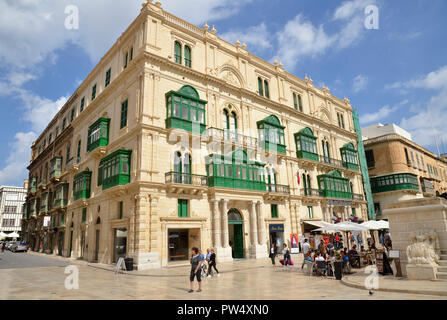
<point>182,139</point>
<point>12,206</point>
<point>400,169</point>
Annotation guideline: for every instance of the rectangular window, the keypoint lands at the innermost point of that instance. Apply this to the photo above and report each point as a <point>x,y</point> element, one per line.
<point>123,122</point>
<point>121,210</point>
<point>72,115</point>
<point>57,132</point>
<point>82,104</point>
<point>94,92</point>
<point>182,208</point>
<point>310,211</point>
<point>108,75</point>
<point>274,208</point>
<point>370,158</point>
<point>50,138</point>
<point>68,154</point>
<point>79,150</point>
<point>64,123</point>
<point>126,59</point>
<point>131,54</point>
<point>84,215</point>
<point>295,101</point>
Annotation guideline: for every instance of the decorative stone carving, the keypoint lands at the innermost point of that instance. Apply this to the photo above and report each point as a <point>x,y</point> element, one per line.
<point>230,78</point>
<point>422,249</point>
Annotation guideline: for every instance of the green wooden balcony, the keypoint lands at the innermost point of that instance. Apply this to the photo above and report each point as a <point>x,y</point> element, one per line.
<point>114,170</point>
<point>81,185</point>
<point>395,182</point>
<point>98,134</point>
<point>55,168</point>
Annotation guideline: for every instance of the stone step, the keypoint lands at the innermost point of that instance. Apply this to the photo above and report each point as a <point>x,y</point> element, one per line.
<point>443,263</point>
<point>443,257</point>
<point>442,275</point>
<point>442,269</point>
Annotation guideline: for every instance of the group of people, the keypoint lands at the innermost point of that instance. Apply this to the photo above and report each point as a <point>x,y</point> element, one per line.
<point>201,263</point>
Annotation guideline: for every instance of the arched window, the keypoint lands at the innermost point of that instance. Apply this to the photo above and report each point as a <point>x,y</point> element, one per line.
<point>271,179</point>
<point>178,52</point>
<point>188,56</point>
<point>225,120</point>
<point>182,168</point>
<point>98,221</point>
<point>326,153</point>
<point>266,89</point>
<point>260,87</point>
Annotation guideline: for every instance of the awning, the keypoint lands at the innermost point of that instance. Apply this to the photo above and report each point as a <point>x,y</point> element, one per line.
<point>317,223</point>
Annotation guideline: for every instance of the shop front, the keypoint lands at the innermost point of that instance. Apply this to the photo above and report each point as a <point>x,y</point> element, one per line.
<point>120,244</point>
<point>276,232</point>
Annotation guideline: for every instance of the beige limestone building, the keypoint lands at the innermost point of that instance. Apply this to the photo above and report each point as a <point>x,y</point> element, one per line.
<point>177,139</point>
<point>400,169</point>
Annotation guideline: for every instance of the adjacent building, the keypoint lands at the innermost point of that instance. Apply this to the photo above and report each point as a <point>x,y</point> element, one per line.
<point>177,139</point>
<point>399,168</point>
<point>12,206</point>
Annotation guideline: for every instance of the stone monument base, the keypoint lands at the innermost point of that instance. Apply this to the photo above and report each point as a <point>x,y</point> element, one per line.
<point>258,251</point>
<point>224,254</point>
<point>421,272</point>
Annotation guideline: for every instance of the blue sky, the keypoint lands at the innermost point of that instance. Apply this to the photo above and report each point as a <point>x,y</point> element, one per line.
<point>389,74</point>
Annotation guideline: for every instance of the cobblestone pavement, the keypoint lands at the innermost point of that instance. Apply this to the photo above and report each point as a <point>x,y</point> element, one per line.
<point>244,280</point>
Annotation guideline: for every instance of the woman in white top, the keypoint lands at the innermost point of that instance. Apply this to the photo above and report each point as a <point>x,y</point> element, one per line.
<point>286,253</point>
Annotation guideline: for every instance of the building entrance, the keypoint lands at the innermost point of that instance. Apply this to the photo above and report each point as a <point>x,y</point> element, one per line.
<point>236,233</point>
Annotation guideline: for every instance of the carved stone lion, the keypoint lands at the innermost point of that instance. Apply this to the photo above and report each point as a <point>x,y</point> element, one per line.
<point>423,247</point>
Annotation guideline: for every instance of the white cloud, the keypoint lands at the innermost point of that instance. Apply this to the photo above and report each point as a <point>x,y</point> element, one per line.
<point>359,83</point>
<point>428,121</point>
<point>18,159</point>
<point>351,8</point>
<point>32,30</point>
<point>382,113</point>
<point>301,38</point>
<point>256,37</point>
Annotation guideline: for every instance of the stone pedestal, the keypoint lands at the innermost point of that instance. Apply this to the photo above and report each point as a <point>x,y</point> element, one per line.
<point>224,254</point>
<point>145,260</point>
<point>258,251</point>
<point>421,271</point>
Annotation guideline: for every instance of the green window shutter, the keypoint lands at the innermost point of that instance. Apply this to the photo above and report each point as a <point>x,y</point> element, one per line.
<point>310,212</point>
<point>124,114</point>
<point>260,87</point>
<point>94,92</point>
<point>178,52</point>
<point>82,104</point>
<point>100,173</point>
<point>266,89</point>
<point>108,76</point>
<point>182,208</point>
<point>188,56</point>
<point>121,209</point>
<point>84,215</point>
<point>274,208</point>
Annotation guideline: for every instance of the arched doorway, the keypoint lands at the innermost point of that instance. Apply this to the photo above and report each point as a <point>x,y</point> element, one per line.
<point>235,232</point>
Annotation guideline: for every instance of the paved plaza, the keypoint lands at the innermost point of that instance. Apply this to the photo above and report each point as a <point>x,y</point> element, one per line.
<point>44,278</point>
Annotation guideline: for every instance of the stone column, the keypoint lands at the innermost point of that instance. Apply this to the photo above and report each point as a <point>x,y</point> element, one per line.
<point>331,211</point>
<point>224,217</point>
<point>261,223</point>
<point>216,223</point>
<point>253,224</point>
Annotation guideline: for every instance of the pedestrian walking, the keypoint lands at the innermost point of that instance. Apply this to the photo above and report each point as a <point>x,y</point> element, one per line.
<point>273,253</point>
<point>3,246</point>
<point>306,251</point>
<point>212,263</point>
<point>286,253</point>
<point>196,262</point>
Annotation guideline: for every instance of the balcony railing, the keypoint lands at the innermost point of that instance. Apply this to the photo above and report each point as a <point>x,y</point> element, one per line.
<point>186,178</point>
<point>73,161</point>
<point>331,161</point>
<point>358,197</point>
<point>311,192</point>
<point>233,136</point>
<point>59,203</point>
<point>277,188</point>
